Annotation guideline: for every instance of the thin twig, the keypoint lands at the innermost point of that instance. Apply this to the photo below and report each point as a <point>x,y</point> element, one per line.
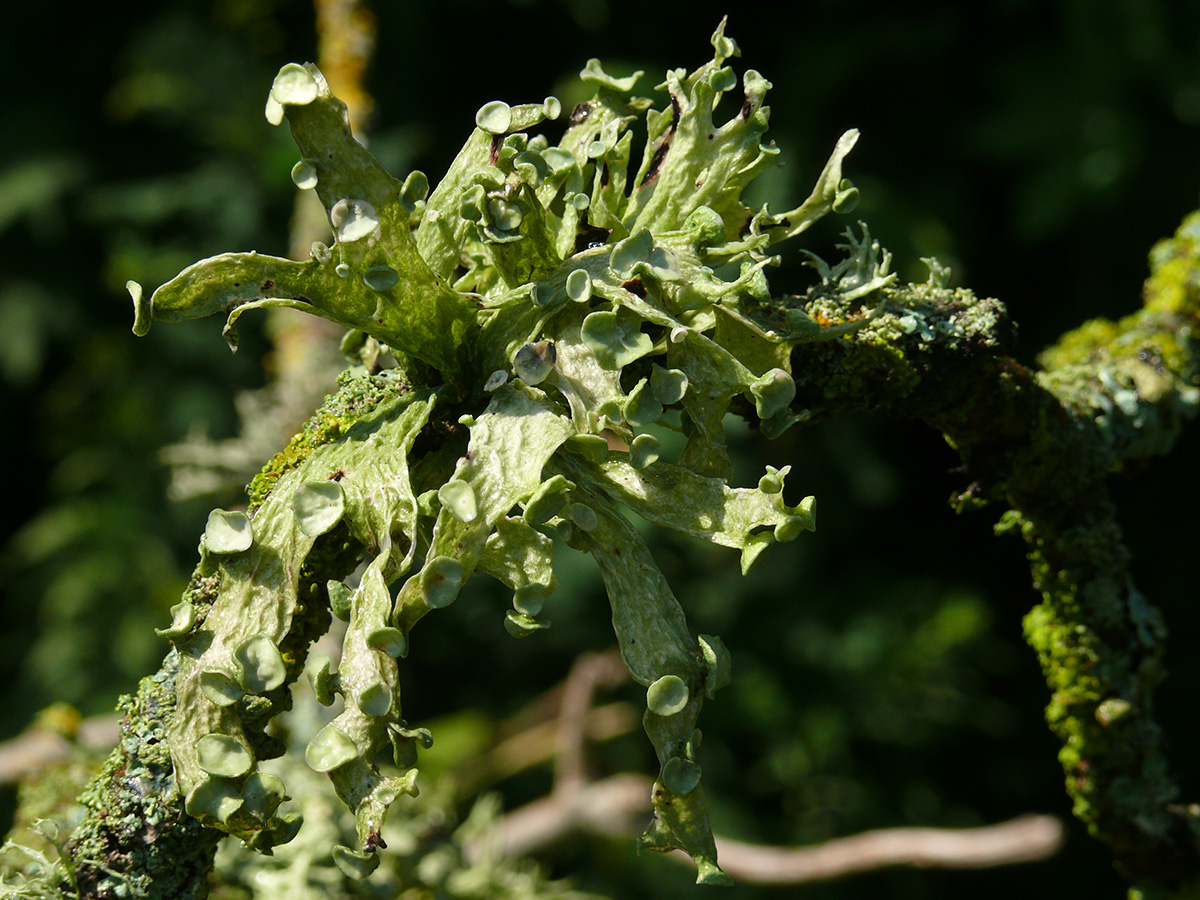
<point>37,746</point>
<point>1026,838</point>
<point>590,671</point>
<point>620,806</point>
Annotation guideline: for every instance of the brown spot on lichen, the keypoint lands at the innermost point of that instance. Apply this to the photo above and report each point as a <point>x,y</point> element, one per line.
<point>590,236</point>
<point>656,162</point>
<point>580,114</point>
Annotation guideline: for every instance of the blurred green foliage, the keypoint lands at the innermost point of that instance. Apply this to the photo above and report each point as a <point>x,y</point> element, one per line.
<point>880,680</point>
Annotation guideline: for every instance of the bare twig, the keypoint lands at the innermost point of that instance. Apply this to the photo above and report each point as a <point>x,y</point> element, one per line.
<point>554,726</point>
<point>591,670</point>
<point>1026,838</point>
<point>38,746</point>
<point>615,806</point>
<point>620,805</point>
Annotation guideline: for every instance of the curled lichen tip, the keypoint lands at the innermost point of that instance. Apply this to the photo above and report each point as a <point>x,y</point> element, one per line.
<point>584,517</point>
<point>533,363</point>
<point>263,793</point>
<point>273,110</point>
<point>773,392</point>
<point>772,481</point>
<point>142,308</point>
<point>216,797</point>
<point>458,498</point>
<point>320,675</point>
<point>530,598</point>
<point>318,505</point>
<point>579,286</point>
<point>632,250</point>
<point>381,278</point>
<point>718,663</point>
<point>375,700</point>
<point>708,872</point>
<point>295,85</point>
<point>680,776</point>
<point>330,749</point>
<point>494,117</point>
<point>441,580</point>
<point>521,625</point>
<point>353,219</point>
<point>548,500</point>
<point>791,528</point>
<point>667,695</point>
<point>415,187</point>
<point>224,756</point>
<point>594,73</point>
<point>641,407</point>
<point>219,688</point>
<point>391,641</point>
<point>669,385</point>
<point>261,665</point>
<point>304,175</point>
<point>846,198</point>
<point>228,531</point>
<point>643,451</point>
<point>183,617</point>
<point>591,446</point>
<point>616,340</point>
<point>723,47</point>
<point>356,864</point>
<point>341,599</point>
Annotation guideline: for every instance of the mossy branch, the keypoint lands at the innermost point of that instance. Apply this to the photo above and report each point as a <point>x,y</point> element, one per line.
<point>1043,443</point>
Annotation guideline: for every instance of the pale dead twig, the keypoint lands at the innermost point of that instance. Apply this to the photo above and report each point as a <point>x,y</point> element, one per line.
<point>555,727</point>
<point>590,671</point>
<point>620,805</point>
<point>1026,838</point>
<point>37,746</point>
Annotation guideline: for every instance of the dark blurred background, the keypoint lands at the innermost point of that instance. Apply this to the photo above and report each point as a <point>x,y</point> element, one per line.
<point>1038,148</point>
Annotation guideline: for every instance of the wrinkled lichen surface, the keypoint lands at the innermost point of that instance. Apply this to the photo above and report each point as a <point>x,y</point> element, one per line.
<point>564,308</point>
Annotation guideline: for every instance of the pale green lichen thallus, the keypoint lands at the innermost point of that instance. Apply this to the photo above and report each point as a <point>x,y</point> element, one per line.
<point>581,299</point>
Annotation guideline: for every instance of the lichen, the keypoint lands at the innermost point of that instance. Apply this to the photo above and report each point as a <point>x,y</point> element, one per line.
<point>596,288</point>
<point>359,393</point>
<point>551,308</point>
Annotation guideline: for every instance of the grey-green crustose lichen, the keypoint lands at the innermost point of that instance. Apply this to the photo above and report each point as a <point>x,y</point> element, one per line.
<point>554,312</point>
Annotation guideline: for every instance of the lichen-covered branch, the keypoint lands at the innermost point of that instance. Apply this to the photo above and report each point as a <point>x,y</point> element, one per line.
<point>137,840</point>
<point>1043,443</point>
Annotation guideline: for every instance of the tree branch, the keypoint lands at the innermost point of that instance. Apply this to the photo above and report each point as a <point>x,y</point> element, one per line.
<point>1110,396</point>
<point>1024,839</point>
